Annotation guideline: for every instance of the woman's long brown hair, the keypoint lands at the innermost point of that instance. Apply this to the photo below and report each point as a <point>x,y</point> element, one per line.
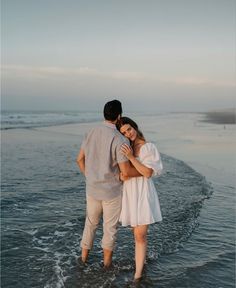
<point>127,120</point>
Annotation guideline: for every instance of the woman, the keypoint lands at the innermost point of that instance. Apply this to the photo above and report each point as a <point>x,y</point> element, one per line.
<point>140,203</point>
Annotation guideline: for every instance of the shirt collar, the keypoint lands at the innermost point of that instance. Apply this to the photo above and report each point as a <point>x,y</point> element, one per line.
<point>108,124</point>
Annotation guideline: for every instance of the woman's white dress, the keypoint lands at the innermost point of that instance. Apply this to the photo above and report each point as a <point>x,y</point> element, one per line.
<point>140,203</point>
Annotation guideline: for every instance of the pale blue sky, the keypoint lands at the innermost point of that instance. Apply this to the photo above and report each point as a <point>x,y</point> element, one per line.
<point>150,54</point>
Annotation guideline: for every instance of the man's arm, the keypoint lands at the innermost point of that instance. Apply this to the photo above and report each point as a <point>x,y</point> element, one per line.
<point>81,161</point>
<point>127,170</point>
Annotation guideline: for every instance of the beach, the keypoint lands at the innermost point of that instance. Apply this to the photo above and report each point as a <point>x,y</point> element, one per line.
<point>43,206</point>
<point>226,116</point>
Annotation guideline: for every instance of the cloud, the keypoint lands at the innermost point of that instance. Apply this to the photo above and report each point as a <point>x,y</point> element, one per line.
<point>45,72</point>
<point>202,81</point>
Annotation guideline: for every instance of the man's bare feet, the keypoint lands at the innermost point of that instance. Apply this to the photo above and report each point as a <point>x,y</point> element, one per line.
<point>107,254</point>
<point>84,255</point>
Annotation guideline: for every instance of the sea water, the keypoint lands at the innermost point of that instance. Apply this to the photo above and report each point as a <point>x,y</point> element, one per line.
<point>43,214</point>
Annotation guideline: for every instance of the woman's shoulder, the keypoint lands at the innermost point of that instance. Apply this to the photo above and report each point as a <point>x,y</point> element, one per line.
<point>149,148</point>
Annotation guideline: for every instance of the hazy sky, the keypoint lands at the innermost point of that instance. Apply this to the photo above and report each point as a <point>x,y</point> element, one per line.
<point>150,54</point>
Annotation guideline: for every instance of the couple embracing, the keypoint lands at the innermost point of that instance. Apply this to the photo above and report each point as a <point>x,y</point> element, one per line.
<point>118,164</point>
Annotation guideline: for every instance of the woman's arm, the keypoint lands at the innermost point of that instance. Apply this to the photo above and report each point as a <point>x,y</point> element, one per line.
<point>142,169</point>
<point>127,170</point>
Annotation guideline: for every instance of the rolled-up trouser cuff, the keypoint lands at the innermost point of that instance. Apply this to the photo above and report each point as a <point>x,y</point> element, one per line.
<point>111,213</point>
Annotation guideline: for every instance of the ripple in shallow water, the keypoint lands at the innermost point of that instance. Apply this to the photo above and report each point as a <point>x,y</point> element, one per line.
<point>48,223</point>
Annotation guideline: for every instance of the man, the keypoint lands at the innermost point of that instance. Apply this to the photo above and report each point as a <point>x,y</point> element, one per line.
<point>101,161</point>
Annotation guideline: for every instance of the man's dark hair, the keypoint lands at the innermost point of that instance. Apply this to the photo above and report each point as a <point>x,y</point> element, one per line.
<point>112,110</point>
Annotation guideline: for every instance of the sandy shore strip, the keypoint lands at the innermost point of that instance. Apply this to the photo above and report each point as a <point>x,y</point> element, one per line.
<point>182,135</point>
<point>227,116</point>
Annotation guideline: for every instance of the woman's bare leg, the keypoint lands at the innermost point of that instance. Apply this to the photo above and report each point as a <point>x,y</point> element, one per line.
<point>140,237</point>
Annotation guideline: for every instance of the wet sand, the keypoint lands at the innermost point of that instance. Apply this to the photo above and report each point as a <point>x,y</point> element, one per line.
<point>185,136</point>
<point>200,144</point>
<point>227,116</point>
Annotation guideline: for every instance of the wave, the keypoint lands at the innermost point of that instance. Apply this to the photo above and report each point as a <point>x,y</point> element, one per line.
<point>28,120</point>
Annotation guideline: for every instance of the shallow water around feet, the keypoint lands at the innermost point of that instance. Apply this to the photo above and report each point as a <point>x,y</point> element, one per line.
<point>43,213</point>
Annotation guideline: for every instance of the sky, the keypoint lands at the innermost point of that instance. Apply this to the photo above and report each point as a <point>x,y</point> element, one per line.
<point>153,55</point>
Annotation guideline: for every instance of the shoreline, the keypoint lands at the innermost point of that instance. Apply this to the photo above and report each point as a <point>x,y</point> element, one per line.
<point>184,136</point>
<point>227,116</point>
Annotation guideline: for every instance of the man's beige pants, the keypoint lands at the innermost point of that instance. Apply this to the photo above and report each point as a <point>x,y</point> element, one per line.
<point>111,212</point>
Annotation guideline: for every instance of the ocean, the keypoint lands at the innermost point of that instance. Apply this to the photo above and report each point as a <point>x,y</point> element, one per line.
<point>43,205</point>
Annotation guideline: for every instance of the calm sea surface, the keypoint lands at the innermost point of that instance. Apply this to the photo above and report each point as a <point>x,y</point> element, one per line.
<point>43,213</point>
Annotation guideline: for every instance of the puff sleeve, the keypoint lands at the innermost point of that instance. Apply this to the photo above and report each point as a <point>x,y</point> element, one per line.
<point>150,157</point>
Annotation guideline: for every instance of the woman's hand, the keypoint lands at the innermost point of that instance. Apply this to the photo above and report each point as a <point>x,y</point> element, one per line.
<point>127,151</point>
<point>123,178</point>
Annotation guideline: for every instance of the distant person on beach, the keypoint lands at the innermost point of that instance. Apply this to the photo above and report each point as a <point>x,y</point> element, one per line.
<point>140,203</point>
<point>100,159</point>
